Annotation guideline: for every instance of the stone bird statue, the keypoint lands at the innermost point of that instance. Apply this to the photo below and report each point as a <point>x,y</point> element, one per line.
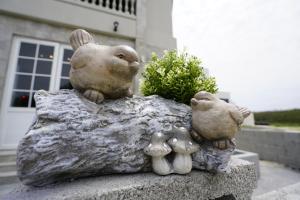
<point>99,71</point>
<point>216,120</point>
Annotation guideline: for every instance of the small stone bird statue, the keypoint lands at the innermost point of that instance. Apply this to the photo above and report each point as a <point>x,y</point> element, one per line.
<point>216,120</point>
<point>99,71</point>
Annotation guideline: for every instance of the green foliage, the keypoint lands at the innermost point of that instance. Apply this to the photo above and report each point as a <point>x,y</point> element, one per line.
<point>287,117</point>
<point>176,76</point>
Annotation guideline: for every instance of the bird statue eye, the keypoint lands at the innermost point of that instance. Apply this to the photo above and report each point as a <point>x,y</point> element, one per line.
<point>121,56</point>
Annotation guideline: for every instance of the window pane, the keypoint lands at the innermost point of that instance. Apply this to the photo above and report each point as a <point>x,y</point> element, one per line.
<point>27,49</point>
<point>20,99</point>
<point>23,82</point>
<point>65,70</point>
<point>67,55</point>
<point>41,83</point>
<point>25,65</point>
<point>43,67</point>
<point>32,101</point>
<point>46,52</point>
<point>65,84</point>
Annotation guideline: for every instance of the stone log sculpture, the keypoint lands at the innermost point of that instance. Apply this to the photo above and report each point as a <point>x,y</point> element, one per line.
<point>73,137</point>
<point>99,71</point>
<point>96,129</point>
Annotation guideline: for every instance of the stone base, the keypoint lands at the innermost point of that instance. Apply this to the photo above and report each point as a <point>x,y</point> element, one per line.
<point>249,156</point>
<point>239,184</point>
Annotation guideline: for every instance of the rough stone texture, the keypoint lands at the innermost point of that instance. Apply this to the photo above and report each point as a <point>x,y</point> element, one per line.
<point>212,159</point>
<point>240,182</point>
<point>249,156</point>
<point>272,144</point>
<point>73,137</point>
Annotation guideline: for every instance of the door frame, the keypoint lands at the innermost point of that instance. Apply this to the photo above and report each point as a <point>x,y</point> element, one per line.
<point>10,78</point>
<point>60,63</point>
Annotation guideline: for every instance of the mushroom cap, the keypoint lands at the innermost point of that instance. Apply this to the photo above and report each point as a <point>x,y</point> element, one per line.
<point>158,137</point>
<point>181,146</point>
<point>181,132</point>
<point>158,145</point>
<point>157,150</point>
<point>182,142</point>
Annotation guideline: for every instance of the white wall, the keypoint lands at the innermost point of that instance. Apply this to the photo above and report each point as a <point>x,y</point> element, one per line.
<point>154,30</point>
<point>73,14</point>
<point>159,24</point>
<point>252,47</point>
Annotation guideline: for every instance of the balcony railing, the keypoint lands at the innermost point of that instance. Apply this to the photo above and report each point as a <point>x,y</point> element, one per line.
<point>126,8</point>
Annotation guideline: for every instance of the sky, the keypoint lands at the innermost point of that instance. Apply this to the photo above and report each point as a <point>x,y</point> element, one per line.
<point>251,47</point>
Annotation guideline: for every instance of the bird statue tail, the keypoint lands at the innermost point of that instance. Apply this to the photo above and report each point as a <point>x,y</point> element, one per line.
<point>245,112</point>
<point>80,37</point>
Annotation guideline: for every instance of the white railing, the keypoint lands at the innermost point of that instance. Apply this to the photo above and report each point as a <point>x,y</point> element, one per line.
<point>126,8</point>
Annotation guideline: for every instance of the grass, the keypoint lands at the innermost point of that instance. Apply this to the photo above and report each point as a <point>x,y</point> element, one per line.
<point>288,117</point>
<point>290,126</point>
<point>285,119</point>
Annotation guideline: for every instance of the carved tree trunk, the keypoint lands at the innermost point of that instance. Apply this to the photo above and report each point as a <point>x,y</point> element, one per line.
<point>73,137</point>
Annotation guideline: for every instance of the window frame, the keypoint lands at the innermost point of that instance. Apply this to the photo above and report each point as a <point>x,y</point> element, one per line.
<point>60,65</point>
<point>12,71</point>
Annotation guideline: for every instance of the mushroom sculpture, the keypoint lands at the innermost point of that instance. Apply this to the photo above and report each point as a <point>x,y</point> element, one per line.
<point>184,146</point>
<point>158,149</point>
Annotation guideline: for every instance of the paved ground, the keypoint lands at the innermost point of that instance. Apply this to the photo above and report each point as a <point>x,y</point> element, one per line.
<point>274,177</point>
<point>6,188</point>
<point>291,192</point>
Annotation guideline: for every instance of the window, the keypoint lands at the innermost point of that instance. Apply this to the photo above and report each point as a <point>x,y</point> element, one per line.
<point>33,72</point>
<point>40,65</point>
<point>65,68</point>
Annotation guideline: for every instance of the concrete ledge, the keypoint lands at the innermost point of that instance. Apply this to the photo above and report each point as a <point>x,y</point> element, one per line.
<point>275,145</point>
<point>249,156</point>
<point>239,183</point>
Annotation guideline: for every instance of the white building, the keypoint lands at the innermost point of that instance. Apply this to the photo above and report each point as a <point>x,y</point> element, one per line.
<point>35,51</point>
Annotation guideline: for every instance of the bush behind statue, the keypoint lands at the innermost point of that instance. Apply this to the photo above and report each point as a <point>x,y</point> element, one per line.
<point>176,76</point>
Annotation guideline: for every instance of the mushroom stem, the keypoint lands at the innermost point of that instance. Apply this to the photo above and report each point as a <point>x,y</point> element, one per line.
<point>184,146</point>
<point>158,149</point>
<point>161,166</point>
<point>182,163</point>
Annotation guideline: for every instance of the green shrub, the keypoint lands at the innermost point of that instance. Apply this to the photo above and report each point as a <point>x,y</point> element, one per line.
<point>176,76</point>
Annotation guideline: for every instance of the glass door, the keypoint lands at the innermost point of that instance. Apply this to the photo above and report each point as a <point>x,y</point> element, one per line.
<point>34,65</point>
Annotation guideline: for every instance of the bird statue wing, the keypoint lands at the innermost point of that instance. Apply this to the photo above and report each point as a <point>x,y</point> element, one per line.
<point>80,37</point>
<point>79,40</point>
<point>82,56</point>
